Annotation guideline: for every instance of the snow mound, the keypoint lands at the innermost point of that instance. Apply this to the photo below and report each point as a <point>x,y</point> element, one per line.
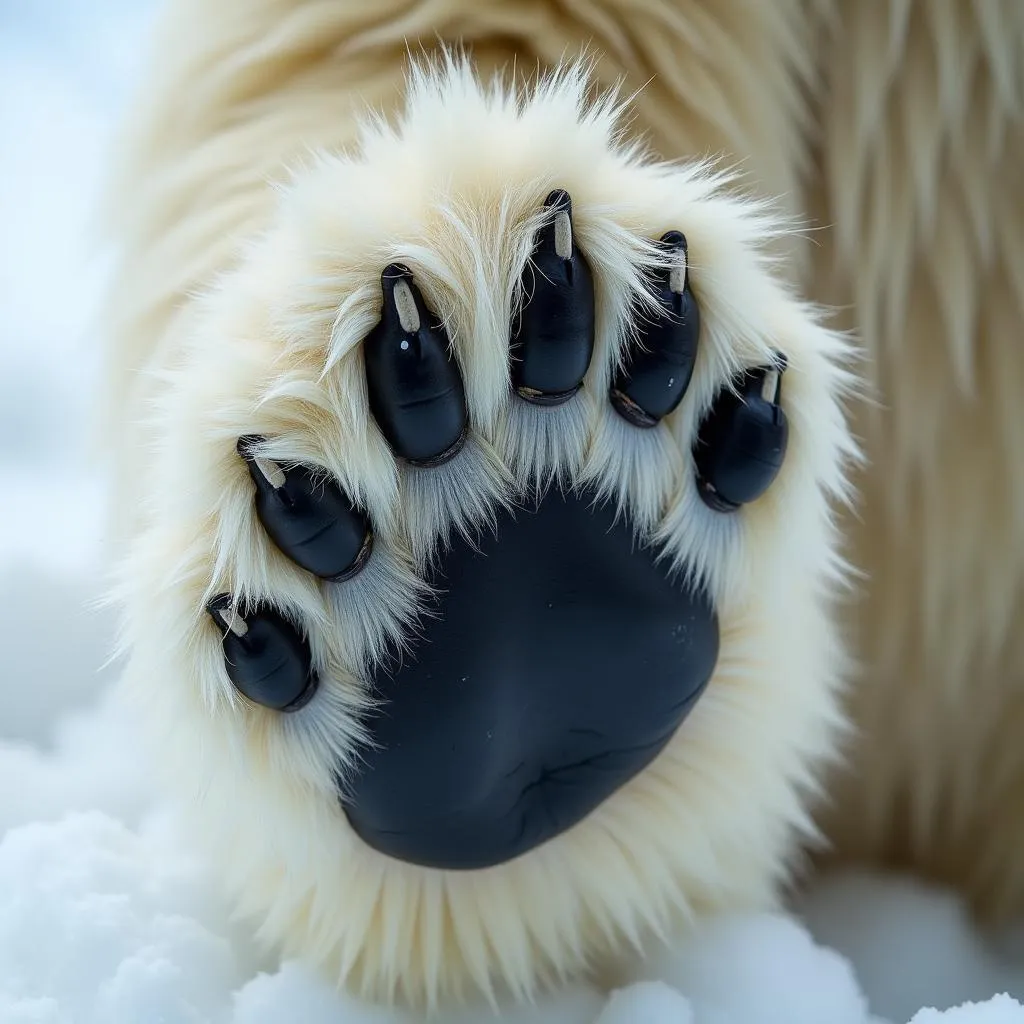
<point>104,924</point>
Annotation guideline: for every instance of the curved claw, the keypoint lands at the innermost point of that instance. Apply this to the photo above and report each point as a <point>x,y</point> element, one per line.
<point>553,338</point>
<point>415,388</point>
<point>308,516</point>
<point>266,659</point>
<point>659,369</point>
<point>742,441</point>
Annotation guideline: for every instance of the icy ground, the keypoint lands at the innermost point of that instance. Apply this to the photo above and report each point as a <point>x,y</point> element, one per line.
<point>102,918</point>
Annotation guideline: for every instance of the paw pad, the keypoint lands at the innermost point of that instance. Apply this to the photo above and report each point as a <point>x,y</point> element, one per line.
<point>553,341</point>
<point>659,370</point>
<point>307,516</point>
<point>415,389</point>
<point>743,439</point>
<point>266,658</point>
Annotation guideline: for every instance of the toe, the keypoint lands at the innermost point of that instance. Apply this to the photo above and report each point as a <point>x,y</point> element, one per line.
<point>742,441</point>
<point>657,370</point>
<point>308,516</point>
<point>553,338</point>
<point>415,389</point>
<point>266,659</point>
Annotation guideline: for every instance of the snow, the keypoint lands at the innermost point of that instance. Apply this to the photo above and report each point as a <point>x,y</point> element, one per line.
<point>103,917</point>
<point>103,923</point>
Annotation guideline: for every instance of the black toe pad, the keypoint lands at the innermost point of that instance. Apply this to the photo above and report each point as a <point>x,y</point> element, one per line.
<point>561,661</point>
<point>553,337</point>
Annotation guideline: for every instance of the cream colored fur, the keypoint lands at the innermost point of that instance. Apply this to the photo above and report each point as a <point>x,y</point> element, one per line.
<point>256,203</point>
<point>921,155</point>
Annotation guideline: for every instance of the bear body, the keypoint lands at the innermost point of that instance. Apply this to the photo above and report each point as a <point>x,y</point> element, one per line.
<point>282,154</point>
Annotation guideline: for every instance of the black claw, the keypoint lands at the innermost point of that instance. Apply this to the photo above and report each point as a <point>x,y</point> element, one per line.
<point>266,658</point>
<point>658,370</point>
<point>415,388</point>
<point>308,516</point>
<point>742,441</point>
<point>553,339</point>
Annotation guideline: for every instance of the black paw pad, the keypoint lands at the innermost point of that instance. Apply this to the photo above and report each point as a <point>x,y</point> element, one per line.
<point>266,658</point>
<point>658,369</point>
<point>553,339</point>
<point>415,389</point>
<point>742,441</point>
<point>561,660</point>
<point>307,515</point>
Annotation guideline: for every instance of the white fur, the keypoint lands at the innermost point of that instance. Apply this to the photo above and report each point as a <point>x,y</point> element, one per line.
<point>455,190</point>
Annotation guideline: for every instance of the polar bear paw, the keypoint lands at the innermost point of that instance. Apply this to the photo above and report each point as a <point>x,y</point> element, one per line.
<point>500,455</point>
<point>539,623</point>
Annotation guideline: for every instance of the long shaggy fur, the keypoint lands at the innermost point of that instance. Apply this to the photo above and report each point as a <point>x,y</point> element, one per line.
<point>921,150</point>
<point>283,151</point>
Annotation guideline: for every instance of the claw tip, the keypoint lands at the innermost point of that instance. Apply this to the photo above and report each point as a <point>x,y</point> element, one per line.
<point>222,611</point>
<point>675,242</point>
<point>395,272</point>
<point>405,304</point>
<point>245,444</point>
<point>558,199</point>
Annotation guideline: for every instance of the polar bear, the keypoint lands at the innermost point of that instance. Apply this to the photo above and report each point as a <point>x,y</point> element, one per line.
<point>485,440</point>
